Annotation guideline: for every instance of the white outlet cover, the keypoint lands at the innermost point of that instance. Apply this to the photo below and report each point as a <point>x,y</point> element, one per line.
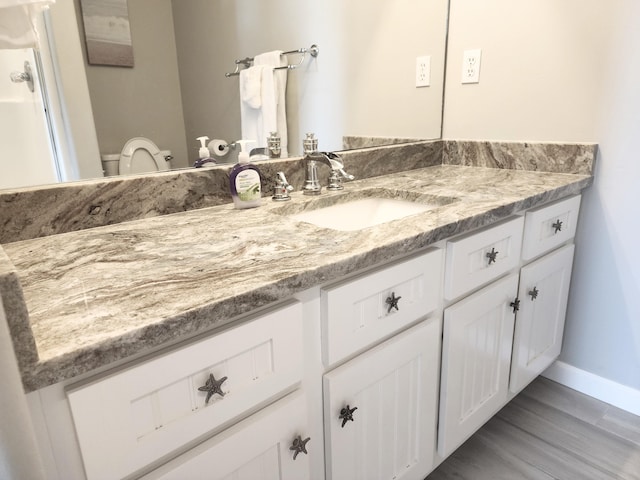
<point>423,71</point>
<point>471,66</point>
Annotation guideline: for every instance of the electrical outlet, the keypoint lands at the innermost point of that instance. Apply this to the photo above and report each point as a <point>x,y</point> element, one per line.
<point>471,66</point>
<point>423,71</point>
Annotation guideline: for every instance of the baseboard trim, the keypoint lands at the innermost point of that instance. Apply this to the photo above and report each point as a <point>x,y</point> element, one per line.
<point>605,390</point>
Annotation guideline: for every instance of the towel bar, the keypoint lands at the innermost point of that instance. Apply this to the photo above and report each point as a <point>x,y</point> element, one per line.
<point>313,50</point>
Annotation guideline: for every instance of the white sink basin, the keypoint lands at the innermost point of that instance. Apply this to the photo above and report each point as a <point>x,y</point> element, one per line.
<point>360,213</point>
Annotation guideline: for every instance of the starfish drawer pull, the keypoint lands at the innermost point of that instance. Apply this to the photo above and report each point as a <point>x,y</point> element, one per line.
<point>346,414</point>
<point>299,446</point>
<point>212,387</point>
<point>557,226</point>
<point>392,301</point>
<point>492,255</point>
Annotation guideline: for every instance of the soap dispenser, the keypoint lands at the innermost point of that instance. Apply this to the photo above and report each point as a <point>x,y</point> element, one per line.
<point>244,180</point>
<point>204,155</point>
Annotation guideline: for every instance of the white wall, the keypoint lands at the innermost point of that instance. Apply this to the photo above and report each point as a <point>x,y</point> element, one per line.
<point>567,71</point>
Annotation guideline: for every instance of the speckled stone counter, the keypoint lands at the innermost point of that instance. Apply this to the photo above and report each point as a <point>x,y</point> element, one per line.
<point>53,209</point>
<point>100,295</point>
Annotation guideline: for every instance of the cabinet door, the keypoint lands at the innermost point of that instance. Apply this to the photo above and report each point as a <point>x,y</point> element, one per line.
<point>544,289</point>
<point>393,389</point>
<point>476,353</point>
<point>259,448</point>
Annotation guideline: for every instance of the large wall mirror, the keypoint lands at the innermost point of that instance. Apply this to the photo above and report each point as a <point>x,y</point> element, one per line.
<point>362,83</point>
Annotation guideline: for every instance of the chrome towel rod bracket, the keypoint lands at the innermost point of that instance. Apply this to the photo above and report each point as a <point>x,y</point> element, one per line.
<point>313,50</point>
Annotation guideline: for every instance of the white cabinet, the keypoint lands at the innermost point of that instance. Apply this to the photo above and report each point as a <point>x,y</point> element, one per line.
<point>376,373</point>
<point>543,294</point>
<point>476,355</point>
<point>130,419</point>
<point>499,339</point>
<point>270,445</point>
<point>380,409</point>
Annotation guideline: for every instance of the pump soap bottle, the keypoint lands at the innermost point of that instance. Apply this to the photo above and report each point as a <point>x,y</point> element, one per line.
<point>245,180</point>
<point>204,155</point>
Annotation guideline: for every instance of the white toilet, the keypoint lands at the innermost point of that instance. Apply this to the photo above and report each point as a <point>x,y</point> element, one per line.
<point>139,155</point>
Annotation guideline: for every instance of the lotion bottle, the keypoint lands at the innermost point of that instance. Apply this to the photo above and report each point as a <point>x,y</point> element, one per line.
<point>244,179</point>
<point>204,155</point>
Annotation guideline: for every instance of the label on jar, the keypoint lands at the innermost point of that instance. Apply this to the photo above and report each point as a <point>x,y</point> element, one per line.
<point>248,185</point>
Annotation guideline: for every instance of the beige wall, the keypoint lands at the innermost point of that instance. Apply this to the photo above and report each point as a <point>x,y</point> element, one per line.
<point>362,83</point>
<point>143,101</point>
<point>567,71</point>
<point>541,71</point>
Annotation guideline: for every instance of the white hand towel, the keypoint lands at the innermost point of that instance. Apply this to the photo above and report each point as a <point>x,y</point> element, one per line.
<point>250,87</point>
<point>276,59</point>
<point>257,104</point>
<point>18,22</point>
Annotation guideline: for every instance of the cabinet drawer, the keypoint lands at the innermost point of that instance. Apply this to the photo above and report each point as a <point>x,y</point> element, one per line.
<point>359,312</point>
<point>547,227</point>
<point>136,416</point>
<point>476,259</point>
<point>259,447</point>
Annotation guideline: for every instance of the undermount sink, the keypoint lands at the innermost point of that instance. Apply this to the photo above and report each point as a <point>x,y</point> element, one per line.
<point>353,211</point>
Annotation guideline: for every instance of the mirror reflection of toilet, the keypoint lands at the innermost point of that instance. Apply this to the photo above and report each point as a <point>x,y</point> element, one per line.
<point>139,155</point>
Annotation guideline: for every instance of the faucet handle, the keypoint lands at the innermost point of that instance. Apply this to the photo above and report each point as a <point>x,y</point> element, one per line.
<point>274,145</point>
<point>337,167</point>
<point>282,188</point>
<point>345,174</point>
<point>335,181</point>
<point>310,144</point>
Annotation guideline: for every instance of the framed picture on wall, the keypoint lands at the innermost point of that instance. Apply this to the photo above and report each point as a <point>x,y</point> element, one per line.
<point>107,33</point>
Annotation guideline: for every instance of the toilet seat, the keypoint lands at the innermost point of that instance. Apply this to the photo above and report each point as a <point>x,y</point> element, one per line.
<point>140,155</point>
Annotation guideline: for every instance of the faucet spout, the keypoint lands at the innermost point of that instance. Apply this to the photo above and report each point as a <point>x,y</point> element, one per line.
<point>312,184</point>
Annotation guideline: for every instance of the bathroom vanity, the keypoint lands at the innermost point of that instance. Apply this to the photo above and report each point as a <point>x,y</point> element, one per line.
<point>182,346</point>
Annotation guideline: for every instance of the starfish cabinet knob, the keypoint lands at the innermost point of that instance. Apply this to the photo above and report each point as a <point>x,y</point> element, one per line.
<point>557,226</point>
<point>212,387</point>
<point>299,446</point>
<point>534,293</point>
<point>346,414</point>
<point>492,255</point>
<point>515,305</point>
<point>392,301</point>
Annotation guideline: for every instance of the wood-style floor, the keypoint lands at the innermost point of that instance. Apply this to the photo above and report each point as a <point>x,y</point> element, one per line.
<point>550,432</point>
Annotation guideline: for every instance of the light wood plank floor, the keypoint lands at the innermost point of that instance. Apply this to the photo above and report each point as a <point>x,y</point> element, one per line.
<point>550,432</point>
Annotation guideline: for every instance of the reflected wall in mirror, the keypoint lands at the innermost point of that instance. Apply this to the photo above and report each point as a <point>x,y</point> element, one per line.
<point>362,83</point>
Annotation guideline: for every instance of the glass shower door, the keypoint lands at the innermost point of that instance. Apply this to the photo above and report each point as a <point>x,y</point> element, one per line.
<point>27,155</point>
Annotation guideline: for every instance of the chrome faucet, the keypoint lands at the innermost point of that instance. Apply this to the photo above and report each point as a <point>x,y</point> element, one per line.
<point>312,184</point>
<point>312,157</point>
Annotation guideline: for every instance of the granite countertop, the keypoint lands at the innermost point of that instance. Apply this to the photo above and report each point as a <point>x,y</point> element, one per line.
<point>100,295</point>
